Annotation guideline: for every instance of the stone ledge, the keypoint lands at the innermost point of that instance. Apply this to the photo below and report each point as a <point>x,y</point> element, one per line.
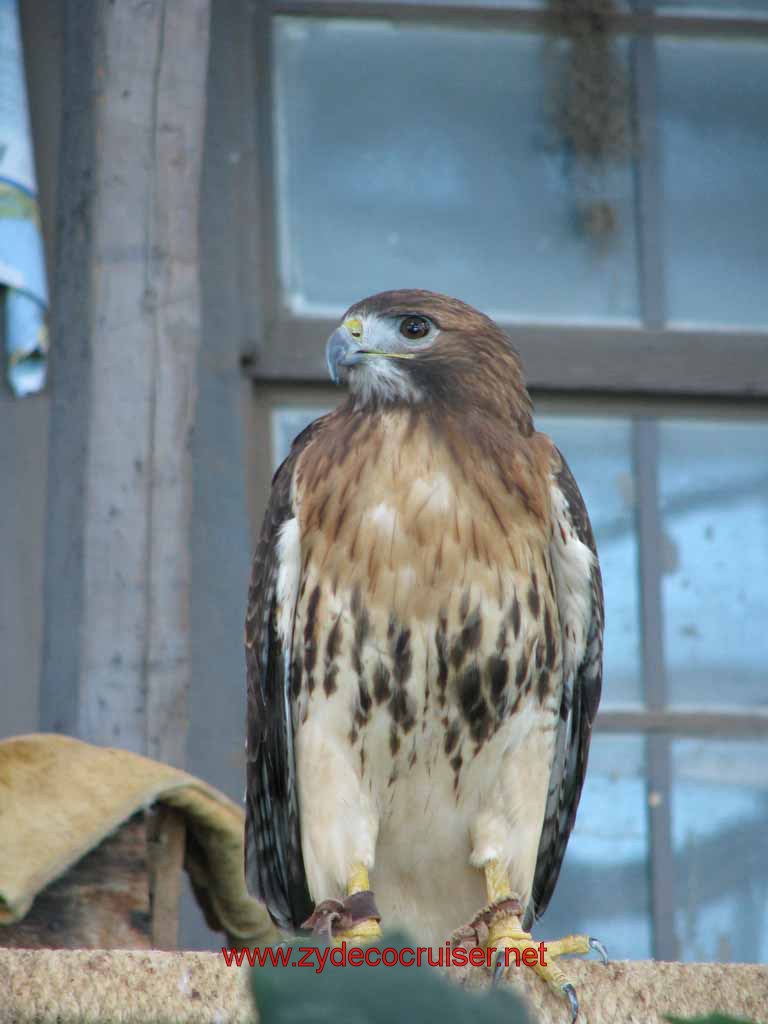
<point>138,987</point>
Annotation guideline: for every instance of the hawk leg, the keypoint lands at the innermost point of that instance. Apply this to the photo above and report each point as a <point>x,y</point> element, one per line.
<point>355,919</point>
<point>501,921</point>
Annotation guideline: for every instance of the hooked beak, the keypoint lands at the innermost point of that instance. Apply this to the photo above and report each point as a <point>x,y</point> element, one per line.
<point>342,351</point>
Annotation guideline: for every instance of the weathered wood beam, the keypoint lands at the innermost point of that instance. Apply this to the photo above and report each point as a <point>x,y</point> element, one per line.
<point>125,341</point>
<point>167,838</point>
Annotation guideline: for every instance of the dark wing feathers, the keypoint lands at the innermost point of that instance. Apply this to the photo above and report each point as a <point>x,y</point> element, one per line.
<point>581,696</point>
<point>274,866</point>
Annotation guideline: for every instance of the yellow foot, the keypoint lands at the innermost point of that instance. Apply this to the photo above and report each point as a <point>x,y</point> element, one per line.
<point>515,947</point>
<point>364,933</point>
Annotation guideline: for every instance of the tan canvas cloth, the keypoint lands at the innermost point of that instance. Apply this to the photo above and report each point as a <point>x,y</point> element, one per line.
<point>60,797</point>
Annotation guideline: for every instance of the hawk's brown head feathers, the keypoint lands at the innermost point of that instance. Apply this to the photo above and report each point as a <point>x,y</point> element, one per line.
<point>412,346</point>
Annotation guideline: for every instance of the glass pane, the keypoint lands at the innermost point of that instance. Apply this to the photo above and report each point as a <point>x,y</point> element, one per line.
<point>287,423</point>
<point>603,888</point>
<point>419,156</point>
<point>599,454</point>
<point>720,836</point>
<point>712,103</point>
<point>713,479</point>
<point>723,8</point>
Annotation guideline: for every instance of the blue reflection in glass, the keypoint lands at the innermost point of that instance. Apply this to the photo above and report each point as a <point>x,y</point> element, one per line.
<point>720,836</point>
<point>713,479</point>
<point>716,7</point>
<point>287,422</point>
<point>412,155</point>
<point>603,888</point>
<point>712,99</point>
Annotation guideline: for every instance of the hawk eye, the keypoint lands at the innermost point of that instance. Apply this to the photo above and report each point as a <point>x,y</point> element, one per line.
<point>414,327</point>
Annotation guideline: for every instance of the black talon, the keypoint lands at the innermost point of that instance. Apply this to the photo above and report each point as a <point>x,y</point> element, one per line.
<point>570,992</point>
<point>498,968</point>
<point>597,945</point>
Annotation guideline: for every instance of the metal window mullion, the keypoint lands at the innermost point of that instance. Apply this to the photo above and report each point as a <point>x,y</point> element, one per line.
<point>648,188</point>
<point>648,207</point>
<point>663,887</point>
<point>733,724</point>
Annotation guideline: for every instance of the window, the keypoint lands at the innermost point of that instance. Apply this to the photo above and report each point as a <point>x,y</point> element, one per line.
<point>460,146</point>
<point>428,158</point>
<point>413,144</point>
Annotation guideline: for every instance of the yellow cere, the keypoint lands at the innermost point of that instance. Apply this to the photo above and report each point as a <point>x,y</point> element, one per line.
<point>354,326</point>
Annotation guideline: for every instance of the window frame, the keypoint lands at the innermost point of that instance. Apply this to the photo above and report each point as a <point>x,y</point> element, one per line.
<point>643,372</point>
<point>649,358</point>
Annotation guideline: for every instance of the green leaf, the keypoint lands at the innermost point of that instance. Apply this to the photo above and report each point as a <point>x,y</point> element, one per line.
<point>713,1018</point>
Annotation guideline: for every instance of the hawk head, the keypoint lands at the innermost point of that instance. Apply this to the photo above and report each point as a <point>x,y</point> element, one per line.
<point>408,347</point>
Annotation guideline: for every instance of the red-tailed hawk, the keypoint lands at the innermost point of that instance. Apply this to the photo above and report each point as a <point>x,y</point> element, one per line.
<point>424,643</point>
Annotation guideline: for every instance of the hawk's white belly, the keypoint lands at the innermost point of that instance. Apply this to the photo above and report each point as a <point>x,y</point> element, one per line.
<point>421,801</point>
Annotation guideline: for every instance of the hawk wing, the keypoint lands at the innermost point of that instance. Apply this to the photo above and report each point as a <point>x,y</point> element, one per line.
<point>274,865</point>
<point>579,590</point>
